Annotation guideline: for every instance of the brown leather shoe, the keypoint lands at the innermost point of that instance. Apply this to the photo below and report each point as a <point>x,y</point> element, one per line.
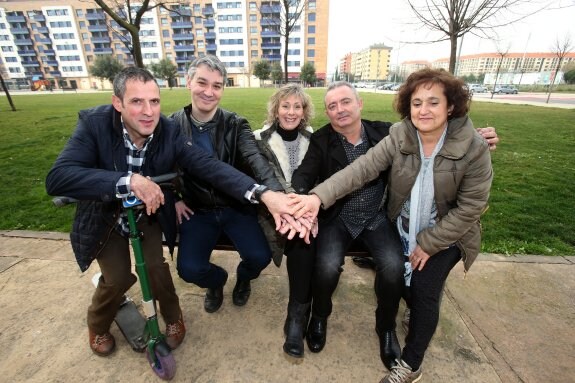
<point>102,345</point>
<point>175,333</point>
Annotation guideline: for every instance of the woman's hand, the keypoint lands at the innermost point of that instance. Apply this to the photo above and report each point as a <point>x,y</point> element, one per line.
<point>182,210</point>
<point>418,258</point>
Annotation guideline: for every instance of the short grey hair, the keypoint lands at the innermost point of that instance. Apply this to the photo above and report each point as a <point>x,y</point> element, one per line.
<point>128,74</point>
<point>211,62</point>
<point>339,84</point>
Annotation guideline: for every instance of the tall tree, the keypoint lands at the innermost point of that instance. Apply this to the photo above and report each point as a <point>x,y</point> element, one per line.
<point>284,24</point>
<point>129,17</point>
<point>262,69</point>
<point>106,67</point>
<point>165,70</point>
<point>561,48</point>
<point>277,73</point>
<point>453,19</point>
<point>501,53</point>
<point>307,74</point>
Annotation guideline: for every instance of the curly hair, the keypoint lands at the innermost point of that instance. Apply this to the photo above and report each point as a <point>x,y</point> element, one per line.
<point>285,92</point>
<point>454,90</point>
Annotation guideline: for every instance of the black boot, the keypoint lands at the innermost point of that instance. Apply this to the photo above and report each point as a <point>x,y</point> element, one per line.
<point>296,323</point>
<point>389,349</point>
<point>316,334</point>
<point>305,320</point>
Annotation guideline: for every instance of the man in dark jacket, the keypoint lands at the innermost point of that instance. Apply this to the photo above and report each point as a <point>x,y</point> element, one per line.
<point>110,155</point>
<point>204,213</point>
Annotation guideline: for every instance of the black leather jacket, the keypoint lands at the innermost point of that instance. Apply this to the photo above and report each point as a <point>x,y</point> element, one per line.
<point>234,144</point>
<point>93,161</point>
<point>326,156</point>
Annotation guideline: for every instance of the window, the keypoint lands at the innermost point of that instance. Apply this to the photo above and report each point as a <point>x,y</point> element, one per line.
<point>254,30</point>
<point>253,18</point>
<point>79,13</point>
<point>164,21</point>
<point>311,17</point>
<point>311,4</point>
<point>294,40</point>
<point>198,20</point>
<point>167,44</point>
<point>311,40</point>
<point>165,33</point>
<point>311,29</point>
<point>199,32</point>
<point>311,53</point>
<point>88,47</point>
<point>11,59</point>
<point>253,5</point>
<point>200,44</point>
<point>85,36</point>
<point>294,52</point>
<point>14,70</point>
<point>254,53</point>
<point>197,8</point>
<point>82,24</point>
<point>254,41</point>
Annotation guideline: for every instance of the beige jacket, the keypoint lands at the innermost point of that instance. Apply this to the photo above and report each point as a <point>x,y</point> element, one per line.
<point>462,179</point>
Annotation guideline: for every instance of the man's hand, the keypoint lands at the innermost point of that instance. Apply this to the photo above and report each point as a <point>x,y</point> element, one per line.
<point>183,211</point>
<point>306,206</point>
<point>278,204</point>
<point>490,136</point>
<point>418,258</point>
<point>147,191</point>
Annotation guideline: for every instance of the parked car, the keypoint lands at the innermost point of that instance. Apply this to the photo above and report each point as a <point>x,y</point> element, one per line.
<point>507,89</point>
<point>477,88</point>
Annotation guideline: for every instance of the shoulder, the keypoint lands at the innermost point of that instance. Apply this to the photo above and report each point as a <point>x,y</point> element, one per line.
<point>258,133</point>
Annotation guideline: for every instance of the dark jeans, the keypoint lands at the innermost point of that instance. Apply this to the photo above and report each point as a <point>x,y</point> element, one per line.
<point>300,263</point>
<point>426,288</point>
<point>117,278</point>
<point>383,244</point>
<point>199,235</point>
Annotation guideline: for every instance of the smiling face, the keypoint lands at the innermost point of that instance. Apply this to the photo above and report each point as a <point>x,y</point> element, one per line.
<point>429,109</point>
<point>290,112</point>
<point>343,109</point>
<point>140,109</point>
<point>207,87</point>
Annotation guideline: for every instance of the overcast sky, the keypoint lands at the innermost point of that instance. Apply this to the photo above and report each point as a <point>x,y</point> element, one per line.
<point>357,24</point>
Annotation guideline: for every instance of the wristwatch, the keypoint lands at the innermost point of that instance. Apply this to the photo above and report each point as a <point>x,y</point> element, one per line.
<point>257,193</point>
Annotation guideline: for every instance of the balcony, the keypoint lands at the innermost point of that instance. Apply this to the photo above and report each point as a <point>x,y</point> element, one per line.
<point>98,28</point>
<point>182,24</point>
<point>30,63</point>
<point>51,62</point>
<point>100,39</point>
<point>180,12</point>
<point>208,11</point>
<point>15,19</point>
<point>26,52</point>
<point>43,30</point>
<point>56,73</point>
<point>103,51</point>
<point>184,48</point>
<point>210,23</point>
<point>211,47</point>
<point>44,40</point>
<point>272,57</point>
<point>95,16</point>
<point>38,17</point>
<point>184,59</point>
<point>183,36</point>
<point>266,9</point>
<point>210,35</point>
<point>19,31</point>
<point>269,22</point>
<point>49,51</point>
<point>23,42</point>
<point>277,45</point>
<point>270,34</point>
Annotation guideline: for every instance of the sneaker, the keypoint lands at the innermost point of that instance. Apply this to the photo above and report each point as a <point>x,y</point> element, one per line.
<point>102,345</point>
<point>402,373</point>
<point>175,333</point>
<point>405,319</point>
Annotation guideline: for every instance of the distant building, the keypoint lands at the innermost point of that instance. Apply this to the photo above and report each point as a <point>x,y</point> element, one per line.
<point>58,40</point>
<point>370,64</point>
<point>408,67</point>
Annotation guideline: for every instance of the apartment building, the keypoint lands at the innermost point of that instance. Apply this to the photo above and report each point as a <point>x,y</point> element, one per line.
<point>371,64</point>
<point>59,40</point>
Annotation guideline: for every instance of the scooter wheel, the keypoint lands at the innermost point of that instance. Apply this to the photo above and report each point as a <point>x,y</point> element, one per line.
<point>165,367</point>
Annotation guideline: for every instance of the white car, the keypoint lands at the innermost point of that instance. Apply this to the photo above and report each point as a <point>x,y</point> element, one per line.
<point>477,88</point>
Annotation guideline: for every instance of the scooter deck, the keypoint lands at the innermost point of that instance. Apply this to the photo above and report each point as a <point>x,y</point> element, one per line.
<point>132,325</point>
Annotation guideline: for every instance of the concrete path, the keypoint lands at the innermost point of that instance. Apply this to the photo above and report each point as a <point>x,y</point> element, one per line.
<point>510,320</point>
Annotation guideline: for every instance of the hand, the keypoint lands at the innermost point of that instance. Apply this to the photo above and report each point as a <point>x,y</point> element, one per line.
<point>490,136</point>
<point>307,205</point>
<point>147,191</point>
<point>304,226</point>
<point>278,204</point>
<point>418,258</point>
<point>182,210</point>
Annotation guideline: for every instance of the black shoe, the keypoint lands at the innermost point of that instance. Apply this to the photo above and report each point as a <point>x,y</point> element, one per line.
<point>295,328</point>
<point>364,262</point>
<point>389,349</point>
<point>241,292</point>
<point>316,334</point>
<point>214,298</point>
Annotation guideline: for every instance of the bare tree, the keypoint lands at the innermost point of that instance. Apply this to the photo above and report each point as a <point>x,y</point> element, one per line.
<point>129,17</point>
<point>284,24</point>
<point>453,19</point>
<point>502,53</point>
<point>3,84</point>
<point>561,48</point>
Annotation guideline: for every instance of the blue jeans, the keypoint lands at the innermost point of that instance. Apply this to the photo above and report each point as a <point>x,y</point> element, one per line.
<point>383,245</point>
<point>199,235</point>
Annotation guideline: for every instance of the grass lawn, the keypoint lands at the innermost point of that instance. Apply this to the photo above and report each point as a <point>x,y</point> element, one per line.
<point>532,209</point>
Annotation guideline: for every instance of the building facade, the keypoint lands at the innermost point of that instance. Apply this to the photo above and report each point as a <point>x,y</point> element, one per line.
<point>58,40</point>
<point>371,64</point>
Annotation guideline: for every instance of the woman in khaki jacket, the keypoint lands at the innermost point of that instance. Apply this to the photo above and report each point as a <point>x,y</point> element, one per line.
<point>440,177</point>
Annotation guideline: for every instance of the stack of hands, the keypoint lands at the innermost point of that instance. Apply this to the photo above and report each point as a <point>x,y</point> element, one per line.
<point>294,214</point>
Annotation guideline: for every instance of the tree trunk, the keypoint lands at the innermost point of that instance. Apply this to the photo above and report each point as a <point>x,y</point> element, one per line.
<point>286,47</point>
<point>553,80</point>
<point>453,55</point>
<point>7,93</point>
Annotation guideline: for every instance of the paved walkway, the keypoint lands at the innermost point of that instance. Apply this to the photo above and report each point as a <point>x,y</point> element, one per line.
<point>510,320</point>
